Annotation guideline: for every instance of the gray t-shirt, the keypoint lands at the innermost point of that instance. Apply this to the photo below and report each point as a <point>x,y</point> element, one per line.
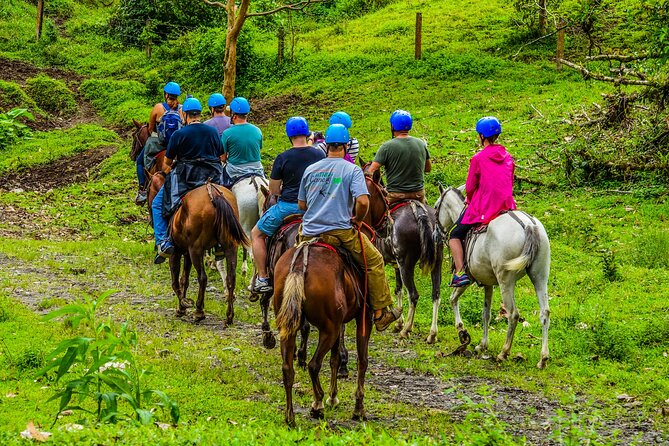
<point>330,187</point>
<point>220,123</point>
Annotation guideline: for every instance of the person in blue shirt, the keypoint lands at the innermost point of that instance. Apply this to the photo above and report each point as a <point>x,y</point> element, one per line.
<point>284,181</point>
<point>329,191</point>
<point>193,154</point>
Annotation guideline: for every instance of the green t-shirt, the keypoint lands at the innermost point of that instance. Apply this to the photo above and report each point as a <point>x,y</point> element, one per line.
<point>404,163</point>
<point>242,143</point>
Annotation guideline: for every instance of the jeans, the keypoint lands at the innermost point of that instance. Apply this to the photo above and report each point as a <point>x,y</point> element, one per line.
<point>141,176</point>
<point>159,222</point>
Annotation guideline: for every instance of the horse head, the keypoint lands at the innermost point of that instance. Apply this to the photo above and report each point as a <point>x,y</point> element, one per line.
<point>449,205</point>
<point>376,176</point>
<point>139,137</point>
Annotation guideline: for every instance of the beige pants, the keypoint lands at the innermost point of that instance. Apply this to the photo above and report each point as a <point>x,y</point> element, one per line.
<point>399,196</point>
<point>379,293</point>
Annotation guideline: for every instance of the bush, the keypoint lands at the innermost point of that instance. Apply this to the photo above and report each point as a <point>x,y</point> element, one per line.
<point>51,95</point>
<point>11,130</point>
<point>59,8</point>
<point>12,96</point>
<point>30,359</point>
<point>119,101</point>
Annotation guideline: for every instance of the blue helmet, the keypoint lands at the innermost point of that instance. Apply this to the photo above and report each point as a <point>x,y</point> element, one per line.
<point>216,100</point>
<point>297,126</point>
<point>172,88</point>
<point>401,121</point>
<point>337,134</point>
<point>240,106</point>
<point>342,118</point>
<point>191,104</point>
<point>489,126</point>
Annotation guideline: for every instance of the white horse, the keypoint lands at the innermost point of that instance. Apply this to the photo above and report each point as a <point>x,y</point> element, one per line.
<point>513,245</point>
<point>250,201</point>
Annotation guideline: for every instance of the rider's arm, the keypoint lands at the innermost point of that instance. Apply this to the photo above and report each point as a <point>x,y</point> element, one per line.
<point>275,187</point>
<point>302,205</point>
<point>428,165</point>
<point>373,168</point>
<point>361,208</point>
<point>153,117</point>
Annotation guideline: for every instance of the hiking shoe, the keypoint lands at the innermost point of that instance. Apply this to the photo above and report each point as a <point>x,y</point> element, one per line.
<point>140,199</point>
<point>165,249</point>
<point>219,254</point>
<point>460,280</point>
<point>262,285</point>
<point>388,316</point>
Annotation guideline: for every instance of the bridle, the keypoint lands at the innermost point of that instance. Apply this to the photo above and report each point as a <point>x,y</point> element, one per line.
<point>441,202</point>
<point>135,136</point>
<point>384,219</point>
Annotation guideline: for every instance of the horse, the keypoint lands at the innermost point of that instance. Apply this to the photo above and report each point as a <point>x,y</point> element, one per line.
<point>514,244</point>
<point>139,137</point>
<point>408,233</point>
<point>250,202</point>
<point>207,216</point>
<point>313,283</point>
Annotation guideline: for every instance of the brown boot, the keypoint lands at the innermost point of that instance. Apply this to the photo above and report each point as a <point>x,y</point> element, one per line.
<point>388,316</point>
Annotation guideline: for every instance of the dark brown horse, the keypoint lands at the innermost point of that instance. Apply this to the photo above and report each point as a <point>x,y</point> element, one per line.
<point>139,137</point>
<point>408,235</point>
<point>312,283</point>
<point>207,216</point>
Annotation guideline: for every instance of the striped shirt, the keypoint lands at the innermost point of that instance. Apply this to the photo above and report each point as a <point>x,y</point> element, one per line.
<point>353,148</point>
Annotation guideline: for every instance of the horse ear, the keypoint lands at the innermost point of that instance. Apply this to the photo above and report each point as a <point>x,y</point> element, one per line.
<point>361,161</point>
<point>376,176</point>
<point>137,124</point>
<point>264,190</point>
<point>441,189</point>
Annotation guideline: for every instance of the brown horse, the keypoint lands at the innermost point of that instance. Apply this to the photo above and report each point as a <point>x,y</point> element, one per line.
<point>139,137</point>
<point>208,215</point>
<point>313,283</point>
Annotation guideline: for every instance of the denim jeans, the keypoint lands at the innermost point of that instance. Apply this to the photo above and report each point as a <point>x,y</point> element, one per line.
<point>141,176</point>
<point>159,222</point>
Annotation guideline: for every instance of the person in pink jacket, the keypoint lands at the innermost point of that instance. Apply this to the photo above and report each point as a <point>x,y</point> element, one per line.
<point>489,190</point>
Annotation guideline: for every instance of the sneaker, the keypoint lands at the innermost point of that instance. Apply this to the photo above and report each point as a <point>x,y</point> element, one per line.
<point>460,280</point>
<point>219,254</point>
<point>140,199</point>
<point>262,285</point>
<point>165,249</point>
<point>388,316</point>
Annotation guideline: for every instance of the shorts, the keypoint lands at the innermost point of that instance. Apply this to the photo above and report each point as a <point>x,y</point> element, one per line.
<point>459,229</point>
<point>271,220</point>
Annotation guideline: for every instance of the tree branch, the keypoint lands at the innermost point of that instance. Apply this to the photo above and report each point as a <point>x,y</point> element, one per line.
<point>299,6</point>
<point>522,47</point>
<point>620,57</point>
<point>587,74</point>
<point>212,3</point>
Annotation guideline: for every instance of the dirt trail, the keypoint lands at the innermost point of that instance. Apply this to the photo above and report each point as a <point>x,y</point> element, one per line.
<point>526,414</point>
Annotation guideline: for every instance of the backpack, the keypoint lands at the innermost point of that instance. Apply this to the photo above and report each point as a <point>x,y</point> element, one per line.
<point>169,123</point>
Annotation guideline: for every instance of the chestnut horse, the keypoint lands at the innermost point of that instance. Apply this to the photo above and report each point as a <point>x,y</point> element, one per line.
<point>207,215</point>
<point>313,283</point>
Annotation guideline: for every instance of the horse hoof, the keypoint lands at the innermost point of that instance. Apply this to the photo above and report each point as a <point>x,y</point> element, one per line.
<point>268,341</point>
<point>290,421</point>
<point>480,349</point>
<point>342,374</point>
<point>302,364</point>
<point>198,316</point>
<point>181,313</point>
<point>332,402</point>
<point>501,357</point>
<point>317,414</point>
<point>359,417</point>
<point>404,334</point>
<point>253,297</point>
<point>398,327</point>
<point>464,337</point>
<point>542,363</point>
<point>187,303</point>
<point>229,321</point>
<point>431,338</point>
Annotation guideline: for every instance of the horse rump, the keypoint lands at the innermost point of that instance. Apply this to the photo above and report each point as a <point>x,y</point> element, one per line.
<point>428,242</point>
<point>228,228</point>
<point>529,252</point>
<point>289,317</point>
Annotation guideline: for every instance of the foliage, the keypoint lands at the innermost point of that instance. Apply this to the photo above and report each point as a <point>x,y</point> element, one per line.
<point>610,267</point>
<point>11,129</point>
<point>119,101</point>
<point>51,95</point>
<point>102,369</point>
<point>12,96</point>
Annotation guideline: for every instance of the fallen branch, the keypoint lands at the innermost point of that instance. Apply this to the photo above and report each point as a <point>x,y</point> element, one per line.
<point>535,109</point>
<point>548,160</point>
<point>587,74</point>
<point>528,180</point>
<point>620,57</point>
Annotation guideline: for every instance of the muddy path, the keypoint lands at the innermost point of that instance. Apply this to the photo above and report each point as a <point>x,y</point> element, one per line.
<point>524,414</point>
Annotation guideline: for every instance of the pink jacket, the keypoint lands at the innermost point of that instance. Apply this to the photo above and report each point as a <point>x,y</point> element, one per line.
<point>489,185</point>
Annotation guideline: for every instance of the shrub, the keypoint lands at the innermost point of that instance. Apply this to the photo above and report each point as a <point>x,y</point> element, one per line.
<point>119,101</point>
<point>12,96</point>
<point>30,359</point>
<point>51,95</point>
<point>59,8</point>
<point>11,130</point>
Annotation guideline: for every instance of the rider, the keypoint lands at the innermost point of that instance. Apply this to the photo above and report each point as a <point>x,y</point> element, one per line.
<point>343,118</point>
<point>156,142</point>
<point>195,151</point>
<point>330,190</point>
<point>218,119</point>
<point>241,143</point>
<point>489,190</point>
<point>284,180</point>
<point>406,160</point>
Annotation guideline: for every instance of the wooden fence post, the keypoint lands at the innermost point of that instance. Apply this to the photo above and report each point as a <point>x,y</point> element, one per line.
<point>40,18</point>
<point>419,35</point>
<point>560,43</point>
<point>281,45</point>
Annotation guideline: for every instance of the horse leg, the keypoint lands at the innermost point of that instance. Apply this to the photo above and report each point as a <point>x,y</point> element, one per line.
<point>230,283</point>
<point>287,353</point>
<point>540,282</point>
<point>220,267</point>
<point>335,359</point>
<point>507,286</point>
<point>302,352</point>
<point>436,300</point>
<point>326,341</point>
<point>363,331</point>
<point>245,266</point>
<point>487,304</point>
<point>268,339</point>
<point>463,334</point>
<point>407,272</point>
<point>398,297</point>
<point>342,371</point>
<point>175,270</point>
<point>198,262</point>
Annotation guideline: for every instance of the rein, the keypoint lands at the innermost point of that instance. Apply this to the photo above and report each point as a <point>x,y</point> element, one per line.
<point>378,225</point>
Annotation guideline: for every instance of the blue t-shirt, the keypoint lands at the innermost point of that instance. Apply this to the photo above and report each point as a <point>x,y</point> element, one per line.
<point>242,143</point>
<point>220,123</point>
<point>195,141</point>
<point>330,188</point>
<point>289,167</point>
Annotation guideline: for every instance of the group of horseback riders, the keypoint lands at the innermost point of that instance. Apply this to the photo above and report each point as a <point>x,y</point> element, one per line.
<point>316,177</point>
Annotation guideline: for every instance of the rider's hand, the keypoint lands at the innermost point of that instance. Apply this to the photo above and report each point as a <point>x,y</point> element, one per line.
<point>355,222</point>
<point>167,170</point>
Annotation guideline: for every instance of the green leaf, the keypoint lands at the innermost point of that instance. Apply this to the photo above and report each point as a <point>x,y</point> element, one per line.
<point>66,362</point>
<point>144,416</point>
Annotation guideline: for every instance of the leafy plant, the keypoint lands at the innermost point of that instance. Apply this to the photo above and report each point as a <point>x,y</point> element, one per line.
<point>101,368</point>
<point>610,267</point>
<point>11,128</point>
<point>51,95</point>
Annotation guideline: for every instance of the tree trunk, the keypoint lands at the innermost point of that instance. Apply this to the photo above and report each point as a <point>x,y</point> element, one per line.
<point>40,18</point>
<point>542,17</point>
<point>236,19</point>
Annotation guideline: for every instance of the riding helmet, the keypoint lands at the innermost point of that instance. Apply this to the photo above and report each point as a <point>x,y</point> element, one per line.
<point>240,106</point>
<point>401,121</point>
<point>488,126</point>
<point>297,126</point>
<point>172,88</point>
<point>341,117</point>
<point>337,134</point>
<point>216,100</point>
<point>191,104</point>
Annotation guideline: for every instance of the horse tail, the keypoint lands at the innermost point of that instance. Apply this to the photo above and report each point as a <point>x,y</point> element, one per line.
<point>530,249</point>
<point>229,230</point>
<point>289,318</point>
<point>428,256</point>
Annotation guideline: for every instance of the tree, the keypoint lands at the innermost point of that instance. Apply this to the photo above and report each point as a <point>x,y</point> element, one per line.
<point>237,15</point>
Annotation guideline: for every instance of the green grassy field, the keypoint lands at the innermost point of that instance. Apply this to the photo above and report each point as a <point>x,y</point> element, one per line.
<point>610,249</point>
